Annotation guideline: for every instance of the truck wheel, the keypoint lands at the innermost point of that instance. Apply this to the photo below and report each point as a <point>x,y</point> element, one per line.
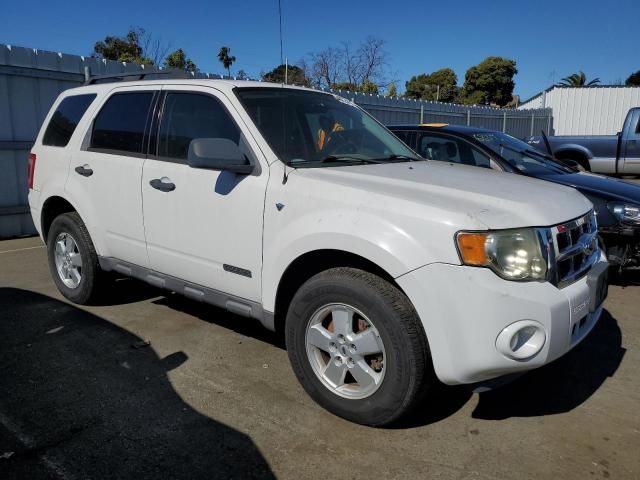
<point>357,346</point>
<point>72,259</point>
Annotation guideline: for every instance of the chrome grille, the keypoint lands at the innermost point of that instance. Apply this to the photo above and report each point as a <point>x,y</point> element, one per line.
<point>576,249</point>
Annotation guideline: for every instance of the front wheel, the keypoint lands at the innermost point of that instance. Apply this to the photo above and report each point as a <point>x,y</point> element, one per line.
<point>357,346</point>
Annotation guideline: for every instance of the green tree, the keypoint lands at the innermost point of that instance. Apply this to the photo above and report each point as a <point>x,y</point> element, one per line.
<point>440,85</point>
<point>123,49</point>
<point>351,87</point>
<point>578,80</point>
<point>295,75</point>
<point>179,60</point>
<point>392,91</point>
<point>633,80</point>
<point>491,81</point>
<point>369,87</point>
<point>226,59</point>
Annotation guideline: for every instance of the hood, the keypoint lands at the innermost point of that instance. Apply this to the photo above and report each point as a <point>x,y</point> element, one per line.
<point>459,195</point>
<point>607,188</point>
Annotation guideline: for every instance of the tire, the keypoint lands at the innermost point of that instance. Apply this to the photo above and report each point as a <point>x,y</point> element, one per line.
<point>401,379</point>
<point>79,255</point>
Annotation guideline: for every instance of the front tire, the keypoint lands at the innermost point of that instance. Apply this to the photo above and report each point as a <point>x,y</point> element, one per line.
<point>73,261</point>
<point>356,344</point>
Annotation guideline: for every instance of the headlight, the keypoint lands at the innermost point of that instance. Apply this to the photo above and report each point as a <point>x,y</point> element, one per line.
<point>513,254</point>
<point>625,213</point>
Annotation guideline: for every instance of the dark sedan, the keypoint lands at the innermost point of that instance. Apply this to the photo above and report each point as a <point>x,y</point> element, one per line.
<point>617,203</point>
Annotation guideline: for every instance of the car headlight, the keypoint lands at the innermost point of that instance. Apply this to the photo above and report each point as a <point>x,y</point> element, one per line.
<point>513,254</point>
<point>625,213</point>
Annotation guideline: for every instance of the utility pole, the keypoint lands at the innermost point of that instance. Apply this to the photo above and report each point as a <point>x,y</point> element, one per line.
<point>280,16</point>
<point>438,93</point>
<point>286,71</point>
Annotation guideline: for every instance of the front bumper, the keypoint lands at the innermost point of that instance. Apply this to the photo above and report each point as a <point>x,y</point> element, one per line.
<point>464,310</point>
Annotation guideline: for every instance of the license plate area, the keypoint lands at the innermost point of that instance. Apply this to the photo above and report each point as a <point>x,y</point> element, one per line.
<point>598,281</point>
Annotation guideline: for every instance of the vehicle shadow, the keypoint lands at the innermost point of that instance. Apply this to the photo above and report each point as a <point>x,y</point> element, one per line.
<point>218,316</point>
<point>629,277</point>
<point>79,400</point>
<point>125,290</point>
<point>562,385</point>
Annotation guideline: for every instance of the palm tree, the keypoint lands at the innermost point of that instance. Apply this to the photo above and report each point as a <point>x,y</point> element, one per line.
<point>578,80</point>
<point>226,59</point>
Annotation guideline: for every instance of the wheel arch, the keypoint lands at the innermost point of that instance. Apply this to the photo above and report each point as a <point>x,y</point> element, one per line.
<point>51,208</point>
<point>310,263</point>
<point>576,153</point>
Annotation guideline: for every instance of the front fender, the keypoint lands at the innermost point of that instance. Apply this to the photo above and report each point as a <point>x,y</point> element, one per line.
<point>376,239</point>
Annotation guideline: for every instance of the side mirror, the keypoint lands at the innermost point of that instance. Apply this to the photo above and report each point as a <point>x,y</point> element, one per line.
<point>217,154</point>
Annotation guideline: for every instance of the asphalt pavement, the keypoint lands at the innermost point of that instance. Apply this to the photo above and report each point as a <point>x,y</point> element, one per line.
<point>152,385</point>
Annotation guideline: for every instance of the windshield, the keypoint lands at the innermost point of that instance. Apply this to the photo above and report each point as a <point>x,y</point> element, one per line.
<point>520,155</point>
<point>313,129</point>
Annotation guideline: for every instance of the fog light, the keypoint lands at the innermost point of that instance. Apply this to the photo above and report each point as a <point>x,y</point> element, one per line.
<point>521,340</point>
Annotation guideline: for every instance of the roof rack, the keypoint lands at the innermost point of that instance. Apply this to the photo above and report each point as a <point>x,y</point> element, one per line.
<point>93,79</point>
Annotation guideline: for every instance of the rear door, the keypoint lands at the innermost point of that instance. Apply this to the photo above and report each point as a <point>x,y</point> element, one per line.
<point>106,172</point>
<point>207,228</point>
<point>631,145</point>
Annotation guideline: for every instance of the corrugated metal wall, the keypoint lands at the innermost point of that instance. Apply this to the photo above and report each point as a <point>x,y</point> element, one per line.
<point>598,110</point>
<point>397,110</point>
<point>30,81</point>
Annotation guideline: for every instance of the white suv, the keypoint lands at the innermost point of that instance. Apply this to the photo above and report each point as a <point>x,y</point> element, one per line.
<point>295,207</point>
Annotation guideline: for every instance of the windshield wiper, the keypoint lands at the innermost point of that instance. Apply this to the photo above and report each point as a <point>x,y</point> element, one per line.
<point>348,158</point>
<point>530,153</point>
<point>401,157</point>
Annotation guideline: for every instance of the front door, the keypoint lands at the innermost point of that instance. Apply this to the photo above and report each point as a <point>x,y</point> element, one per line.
<point>203,226</point>
<point>631,145</point>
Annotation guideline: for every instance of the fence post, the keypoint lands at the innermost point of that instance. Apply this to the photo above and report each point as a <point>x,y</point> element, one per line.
<point>421,112</point>
<point>549,124</point>
<point>87,74</point>
<point>504,122</point>
<point>468,117</point>
<point>533,119</point>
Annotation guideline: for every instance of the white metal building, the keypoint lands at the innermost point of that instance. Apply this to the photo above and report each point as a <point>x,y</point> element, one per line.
<point>596,110</point>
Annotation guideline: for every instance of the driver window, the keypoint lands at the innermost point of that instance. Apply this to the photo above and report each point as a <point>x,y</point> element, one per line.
<point>451,149</point>
<point>187,116</point>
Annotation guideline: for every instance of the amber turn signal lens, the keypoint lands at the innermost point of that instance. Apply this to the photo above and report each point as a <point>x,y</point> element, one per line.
<point>472,250</point>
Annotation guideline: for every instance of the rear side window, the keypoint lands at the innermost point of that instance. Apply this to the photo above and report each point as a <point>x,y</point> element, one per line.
<point>405,135</point>
<point>65,119</point>
<point>451,149</point>
<point>187,116</point>
<point>121,123</point>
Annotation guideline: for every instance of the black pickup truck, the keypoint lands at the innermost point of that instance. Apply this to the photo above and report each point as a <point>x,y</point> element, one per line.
<point>611,154</point>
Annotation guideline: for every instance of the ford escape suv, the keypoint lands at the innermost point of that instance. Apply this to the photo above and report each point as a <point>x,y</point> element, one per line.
<point>295,207</point>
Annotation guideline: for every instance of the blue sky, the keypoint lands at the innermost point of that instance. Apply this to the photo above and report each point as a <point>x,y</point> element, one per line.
<point>548,39</point>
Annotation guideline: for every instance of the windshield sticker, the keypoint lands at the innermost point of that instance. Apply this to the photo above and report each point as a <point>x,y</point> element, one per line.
<point>484,137</point>
<point>343,100</point>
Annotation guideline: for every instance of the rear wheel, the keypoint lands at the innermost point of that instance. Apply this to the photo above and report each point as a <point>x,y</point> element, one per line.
<point>581,160</point>
<point>73,261</point>
<point>357,347</point>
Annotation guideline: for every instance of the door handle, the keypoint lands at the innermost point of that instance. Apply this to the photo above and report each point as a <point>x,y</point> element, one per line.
<point>84,170</point>
<point>163,184</point>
